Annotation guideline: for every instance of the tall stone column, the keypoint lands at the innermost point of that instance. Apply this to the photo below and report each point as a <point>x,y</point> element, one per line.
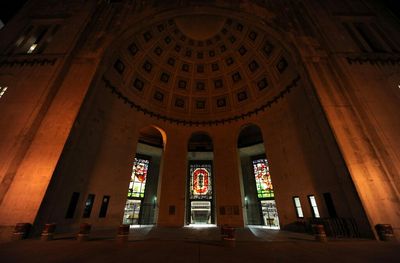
<point>24,196</point>
<point>173,179</point>
<point>226,178</point>
<point>370,165</point>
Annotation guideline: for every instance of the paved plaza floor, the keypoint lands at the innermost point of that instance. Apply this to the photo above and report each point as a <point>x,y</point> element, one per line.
<point>199,245</point>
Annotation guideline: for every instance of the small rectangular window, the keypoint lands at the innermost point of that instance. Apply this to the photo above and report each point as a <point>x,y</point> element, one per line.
<point>389,41</point>
<point>88,206</point>
<point>314,207</point>
<point>34,39</point>
<point>49,37</point>
<point>297,205</point>
<point>2,91</point>
<point>72,205</point>
<point>353,35</point>
<point>104,206</point>
<point>21,41</point>
<point>171,210</point>
<point>369,37</point>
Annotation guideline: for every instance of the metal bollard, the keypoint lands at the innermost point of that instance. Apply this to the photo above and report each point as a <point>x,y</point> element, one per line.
<point>223,231</point>
<point>21,231</point>
<point>228,236</point>
<point>123,233</point>
<point>48,232</point>
<point>319,232</point>
<point>84,232</point>
<point>385,232</point>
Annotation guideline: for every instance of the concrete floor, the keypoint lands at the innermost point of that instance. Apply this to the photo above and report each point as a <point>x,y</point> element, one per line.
<point>199,245</point>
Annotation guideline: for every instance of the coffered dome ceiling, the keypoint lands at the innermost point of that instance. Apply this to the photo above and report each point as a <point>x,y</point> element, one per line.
<point>202,69</point>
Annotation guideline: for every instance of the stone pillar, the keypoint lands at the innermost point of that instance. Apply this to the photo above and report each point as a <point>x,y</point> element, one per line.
<point>369,163</point>
<point>24,196</point>
<point>226,178</point>
<point>173,179</point>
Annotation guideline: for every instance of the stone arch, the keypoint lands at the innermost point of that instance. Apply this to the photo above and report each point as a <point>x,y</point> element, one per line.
<point>141,206</point>
<point>259,194</point>
<point>200,194</point>
<point>249,130</point>
<point>200,140</point>
<point>154,131</point>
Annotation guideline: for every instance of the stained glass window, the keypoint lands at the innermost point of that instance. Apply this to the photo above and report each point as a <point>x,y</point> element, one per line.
<point>263,179</point>
<point>138,178</point>
<point>200,181</point>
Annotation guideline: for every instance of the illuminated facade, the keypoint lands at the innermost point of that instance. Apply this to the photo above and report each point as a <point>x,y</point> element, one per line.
<point>173,113</point>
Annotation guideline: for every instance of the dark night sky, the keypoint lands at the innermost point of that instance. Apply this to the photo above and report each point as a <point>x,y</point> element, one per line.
<point>9,7</point>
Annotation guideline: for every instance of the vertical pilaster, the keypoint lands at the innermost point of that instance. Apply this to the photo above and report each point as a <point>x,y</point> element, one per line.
<point>357,139</point>
<point>23,198</point>
<point>173,179</point>
<point>226,179</point>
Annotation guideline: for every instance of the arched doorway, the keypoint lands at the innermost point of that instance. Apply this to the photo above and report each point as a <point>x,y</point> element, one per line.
<point>169,77</point>
<point>200,191</point>
<point>259,196</point>
<point>141,207</point>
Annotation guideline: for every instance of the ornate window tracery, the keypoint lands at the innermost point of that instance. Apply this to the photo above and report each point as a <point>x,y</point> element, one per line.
<point>200,181</point>
<point>263,179</point>
<point>137,184</point>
